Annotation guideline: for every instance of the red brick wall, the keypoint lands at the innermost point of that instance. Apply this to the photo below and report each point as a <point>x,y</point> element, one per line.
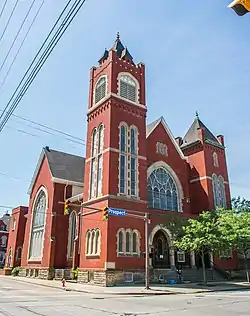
<point>16,236</point>
<point>43,179</point>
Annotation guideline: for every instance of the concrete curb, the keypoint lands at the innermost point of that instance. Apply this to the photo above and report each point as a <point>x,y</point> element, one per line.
<point>153,293</point>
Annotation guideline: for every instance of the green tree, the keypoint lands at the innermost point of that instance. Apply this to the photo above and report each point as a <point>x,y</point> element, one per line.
<point>201,235</point>
<point>240,204</point>
<point>235,230</point>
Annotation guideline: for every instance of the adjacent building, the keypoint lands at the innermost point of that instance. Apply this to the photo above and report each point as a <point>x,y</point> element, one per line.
<point>4,233</point>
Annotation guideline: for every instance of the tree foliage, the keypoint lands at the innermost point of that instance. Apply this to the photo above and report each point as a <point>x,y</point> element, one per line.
<point>240,204</point>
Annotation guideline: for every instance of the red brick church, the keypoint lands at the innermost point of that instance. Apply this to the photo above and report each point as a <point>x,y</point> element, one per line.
<point>130,166</point>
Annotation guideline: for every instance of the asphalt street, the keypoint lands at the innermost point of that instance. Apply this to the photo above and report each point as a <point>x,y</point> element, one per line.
<point>22,299</point>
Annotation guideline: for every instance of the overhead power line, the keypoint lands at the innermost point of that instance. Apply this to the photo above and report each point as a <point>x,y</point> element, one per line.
<point>55,39</point>
<point>8,22</point>
<point>17,34</point>
<point>21,45</point>
<point>4,5</point>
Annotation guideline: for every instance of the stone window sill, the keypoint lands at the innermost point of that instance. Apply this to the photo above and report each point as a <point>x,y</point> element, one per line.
<point>97,256</point>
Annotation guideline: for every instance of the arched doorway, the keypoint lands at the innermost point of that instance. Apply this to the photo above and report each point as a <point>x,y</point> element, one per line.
<point>160,252</point>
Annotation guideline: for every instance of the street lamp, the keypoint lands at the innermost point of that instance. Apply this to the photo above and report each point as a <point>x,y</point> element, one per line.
<point>241,7</point>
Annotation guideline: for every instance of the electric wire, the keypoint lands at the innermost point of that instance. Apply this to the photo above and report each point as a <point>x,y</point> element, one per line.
<point>10,17</point>
<point>21,45</point>
<point>34,59</point>
<point>4,5</point>
<point>65,24</point>
<point>17,34</point>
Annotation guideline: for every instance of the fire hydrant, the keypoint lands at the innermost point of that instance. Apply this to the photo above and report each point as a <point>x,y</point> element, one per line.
<point>63,282</point>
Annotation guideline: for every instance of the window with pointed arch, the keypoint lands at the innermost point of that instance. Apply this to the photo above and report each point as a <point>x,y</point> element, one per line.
<point>219,191</point>
<point>100,89</point>
<point>162,191</point>
<point>72,234</point>
<point>128,160</point>
<point>96,167</point>
<point>93,243</point>
<point>215,160</point>
<point>128,88</point>
<point>128,242</point>
<point>38,225</point>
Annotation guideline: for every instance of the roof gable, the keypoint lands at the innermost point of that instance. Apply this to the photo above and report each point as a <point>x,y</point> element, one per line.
<point>152,126</point>
<point>192,135</point>
<point>62,166</point>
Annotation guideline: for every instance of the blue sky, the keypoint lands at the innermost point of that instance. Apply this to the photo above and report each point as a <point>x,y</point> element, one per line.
<point>197,58</point>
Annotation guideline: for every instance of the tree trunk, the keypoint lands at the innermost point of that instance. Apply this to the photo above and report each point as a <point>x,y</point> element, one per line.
<point>246,267</point>
<point>203,268</point>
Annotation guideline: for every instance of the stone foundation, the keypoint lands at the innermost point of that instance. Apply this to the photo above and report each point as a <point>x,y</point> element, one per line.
<point>40,273</point>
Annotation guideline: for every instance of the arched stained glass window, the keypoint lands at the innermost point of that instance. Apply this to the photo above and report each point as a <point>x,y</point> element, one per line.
<point>38,224</point>
<point>162,191</point>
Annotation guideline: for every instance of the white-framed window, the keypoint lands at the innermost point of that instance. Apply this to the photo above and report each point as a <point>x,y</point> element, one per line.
<point>19,253</point>
<point>13,223</point>
<point>161,149</point>
<point>2,228</point>
<point>4,241</point>
<point>128,242</point>
<point>72,234</point>
<point>219,191</point>
<point>93,243</point>
<point>163,191</point>
<point>128,88</point>
<point>96,164</point>
<point>38,224</point>
<point>2,257</point>
<point>100,89</point>
<point>215,160</point>
<point>128,160</point>
<point>181,256</point>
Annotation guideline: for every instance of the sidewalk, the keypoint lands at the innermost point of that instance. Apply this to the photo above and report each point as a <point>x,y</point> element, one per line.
<point>137,290</point>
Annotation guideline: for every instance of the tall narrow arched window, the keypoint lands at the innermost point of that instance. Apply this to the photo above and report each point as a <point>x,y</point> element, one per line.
<point>128,169</point>
<point>100,159</point>
<point>162,191</point>
<point>222,192</point>
<point>38,225</point>
<point>123,159</point>
<point>120,241</point>
<point>135,242</point>
<point>93,163</point>
<point>72,234</point>
<point>215,190</point>
<point>128,88</point>
<point>96,162</point>
<point>215,160</point>
<point>128,241</point>
<point>100,89</point>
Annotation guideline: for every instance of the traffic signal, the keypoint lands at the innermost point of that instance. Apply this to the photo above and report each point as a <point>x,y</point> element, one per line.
<point>241,7</point>
<point>66,207</point>
<point>105,213</point>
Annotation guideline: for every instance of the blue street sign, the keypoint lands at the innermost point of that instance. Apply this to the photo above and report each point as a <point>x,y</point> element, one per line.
<point>116,212</point>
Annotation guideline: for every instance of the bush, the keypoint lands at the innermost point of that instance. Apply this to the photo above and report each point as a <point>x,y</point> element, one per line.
<point>75,272</point>
<point>15,271</point>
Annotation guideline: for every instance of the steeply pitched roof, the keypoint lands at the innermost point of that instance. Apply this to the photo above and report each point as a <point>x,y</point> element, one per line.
<point>152,126</point>
<point>192,134</point>
<point>63,166</point>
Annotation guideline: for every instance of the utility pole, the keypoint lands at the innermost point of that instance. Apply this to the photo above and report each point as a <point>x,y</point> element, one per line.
<point>147,278</point>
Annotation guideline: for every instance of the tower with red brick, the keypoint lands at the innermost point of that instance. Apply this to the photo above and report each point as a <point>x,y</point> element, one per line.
<point>209,184</point>
<point>116,153</point>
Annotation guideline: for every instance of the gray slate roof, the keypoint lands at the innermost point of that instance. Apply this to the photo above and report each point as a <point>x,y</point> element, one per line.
<point>151,126</point>
<point>192,135</point>
<point>65,166</point>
